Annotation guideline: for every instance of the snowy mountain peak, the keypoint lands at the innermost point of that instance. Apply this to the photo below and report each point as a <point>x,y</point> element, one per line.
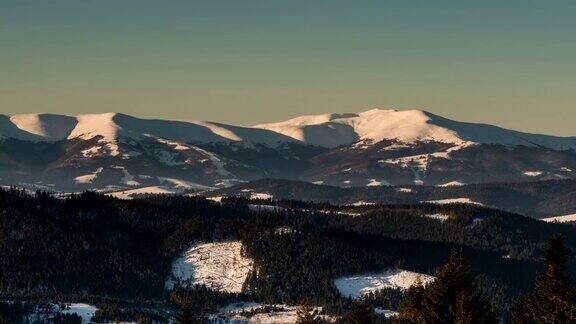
<point>407,126</point>
<point>374,125</point>
<point>325,130</point>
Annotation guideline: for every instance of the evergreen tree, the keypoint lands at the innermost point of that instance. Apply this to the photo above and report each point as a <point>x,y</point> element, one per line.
<point>184,315</point>
<point>454,297</point>
<point>308,315</point>
<point>360,313</point>
<point>554,299</point>
<point>411,309</point>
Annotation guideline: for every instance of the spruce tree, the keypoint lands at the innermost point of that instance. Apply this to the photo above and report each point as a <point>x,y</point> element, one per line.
<point>360,313</point>
<point>412,306</point>
<point>554,299</point>
<point>454,297</point>
<point>184,315</point>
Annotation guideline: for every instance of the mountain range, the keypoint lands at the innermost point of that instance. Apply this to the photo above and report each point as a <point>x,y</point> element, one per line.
<point>115,152</point>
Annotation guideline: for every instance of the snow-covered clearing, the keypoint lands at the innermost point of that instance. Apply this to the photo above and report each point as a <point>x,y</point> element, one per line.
<point>560,219</point>
<point>45,313</point>
<point>533,173</point>
<point>359,285</point>
<point>363,203</point>
<point>440,217</point>
<point>152,190</point>
<point>454,201</point>
<point>219,266</point>
<point>261,195</point>
<point>386,312</point>
<point>259,313</point>
<point>452,184</point>
<point>88,178</point>
<point>85,311</point>
<point>377,183</point>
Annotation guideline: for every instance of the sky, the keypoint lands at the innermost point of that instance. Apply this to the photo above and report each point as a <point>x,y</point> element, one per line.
<point>511,63</point>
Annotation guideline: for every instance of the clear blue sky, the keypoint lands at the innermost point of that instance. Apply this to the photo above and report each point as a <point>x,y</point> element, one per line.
<point>511,63</point>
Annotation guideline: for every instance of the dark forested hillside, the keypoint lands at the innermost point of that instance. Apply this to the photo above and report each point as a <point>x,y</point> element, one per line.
<point>91,246</point>
<point>535,199</point>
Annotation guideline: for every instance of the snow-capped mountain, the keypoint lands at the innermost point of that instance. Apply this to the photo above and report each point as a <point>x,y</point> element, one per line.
<point>117,152</point>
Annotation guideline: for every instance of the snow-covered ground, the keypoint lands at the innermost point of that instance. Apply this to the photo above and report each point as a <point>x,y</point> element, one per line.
<point>440,217</point>
<point>154,190</point>
<point>219,266</point>
<point>363,203</point>
<point>454,201</point>
<point>452,184</point>
<point>532,173</point>
<point>560,219</point>
<point>85,311</point>
<point>359,285</point>
<point>257,313</point>
<point>88,178</point>
<point>261,195</point>
<point>45,313</point>
<point>386,312</point>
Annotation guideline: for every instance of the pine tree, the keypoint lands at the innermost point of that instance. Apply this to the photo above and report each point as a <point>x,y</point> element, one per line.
<point>360,313</point>
<point>413,304</point>
<point>184,315</point>
<point>454,296</point>
<point>554,299</point>
<point>308,315</point>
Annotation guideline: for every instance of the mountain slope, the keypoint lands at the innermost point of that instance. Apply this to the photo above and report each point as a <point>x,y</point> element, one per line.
<point>409,126</point>
<point>117,152</point>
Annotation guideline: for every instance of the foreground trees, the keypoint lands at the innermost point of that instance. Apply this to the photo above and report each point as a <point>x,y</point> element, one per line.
<point>554,298</point>
<point>454,297</point>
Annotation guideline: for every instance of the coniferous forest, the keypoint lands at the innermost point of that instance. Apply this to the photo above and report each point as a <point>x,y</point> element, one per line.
<point>117,254</point>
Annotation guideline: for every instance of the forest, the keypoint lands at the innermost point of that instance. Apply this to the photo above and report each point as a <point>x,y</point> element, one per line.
<point>117,254</point>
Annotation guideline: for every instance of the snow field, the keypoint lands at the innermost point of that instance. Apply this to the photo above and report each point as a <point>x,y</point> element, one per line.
<point>219,266</point>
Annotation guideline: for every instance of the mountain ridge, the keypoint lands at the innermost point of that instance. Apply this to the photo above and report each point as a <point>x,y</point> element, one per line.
<point>325,130</point>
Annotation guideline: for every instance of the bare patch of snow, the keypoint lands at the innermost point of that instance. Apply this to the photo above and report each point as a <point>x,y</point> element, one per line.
<point>386,312</point>
<point>85,311</point>
<point>88,178</point>
<point>219,266</point>
<point>452,184</point>
<point>360,285</point>
<point>152,190</point>
<point>455,201</point>
<point>377,183</point>
<point>363,203</point>
<point>261,195</point>
<point>90,152</point>
<point>533,173</point>
<point>440,217</point>
<point>560,219</point>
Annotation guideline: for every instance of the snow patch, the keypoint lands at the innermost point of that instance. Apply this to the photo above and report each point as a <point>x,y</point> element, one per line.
<point>440,217</point>
<point>533,173</point>
<point>360,285</point>
<point>560,219</point>
<point>261,195</point>
<point>88,178</point>
<point>452,184</point>
<point>152,190</point>
<point>454,201</point>
<point>219,266</point>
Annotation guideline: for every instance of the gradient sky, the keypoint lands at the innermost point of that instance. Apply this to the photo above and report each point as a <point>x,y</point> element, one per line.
<point>510,63</point>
